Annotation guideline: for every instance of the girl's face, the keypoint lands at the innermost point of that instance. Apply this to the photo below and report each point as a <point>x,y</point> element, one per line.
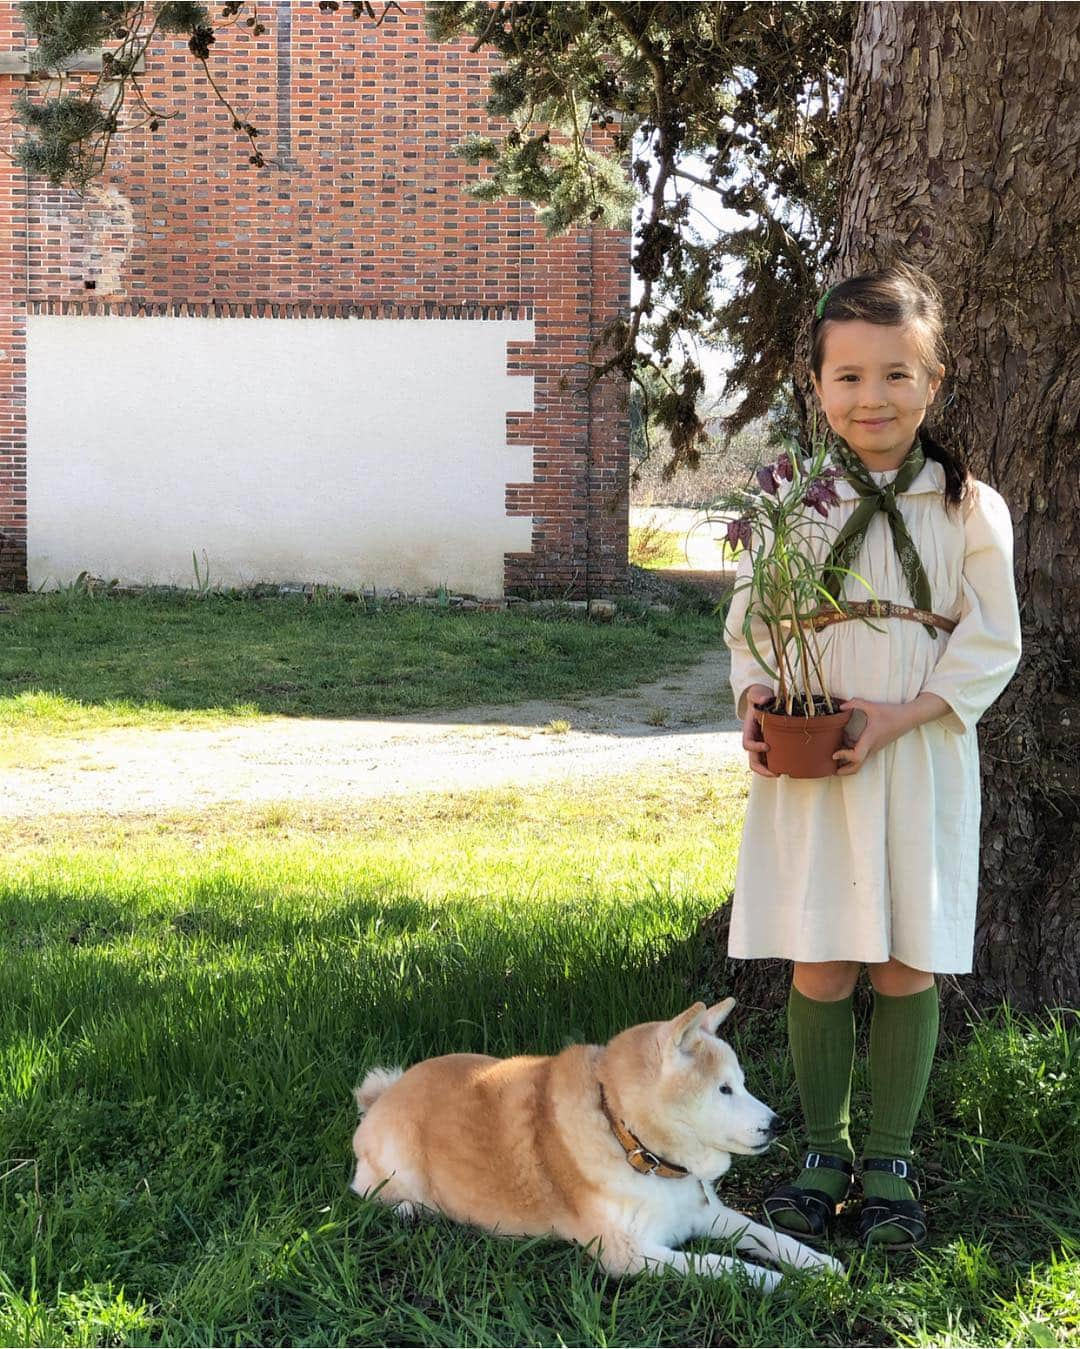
<point>874,390</point>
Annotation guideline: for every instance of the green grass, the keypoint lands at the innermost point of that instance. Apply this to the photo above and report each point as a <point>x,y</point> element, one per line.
<point>72,663</point>
<point>188,1002</point>
<point>651,546</point>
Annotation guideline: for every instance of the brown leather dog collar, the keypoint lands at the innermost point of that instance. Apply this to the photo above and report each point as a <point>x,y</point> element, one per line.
<point>637,1154</point>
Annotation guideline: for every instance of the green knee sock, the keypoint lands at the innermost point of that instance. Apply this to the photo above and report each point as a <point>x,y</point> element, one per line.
<point>822,1038</point>
<point>903,1036</point>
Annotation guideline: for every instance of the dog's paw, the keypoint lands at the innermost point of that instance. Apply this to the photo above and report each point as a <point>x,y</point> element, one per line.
<point>407,1212</point>
<point>765,1279</point>
<point>819,1260</point>
<point>814,1262</point>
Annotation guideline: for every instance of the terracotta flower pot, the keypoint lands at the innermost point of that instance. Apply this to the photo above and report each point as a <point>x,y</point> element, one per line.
<point>803,747</point>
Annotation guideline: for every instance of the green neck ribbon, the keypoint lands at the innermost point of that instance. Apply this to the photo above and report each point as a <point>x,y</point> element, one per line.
<point>876,498</point>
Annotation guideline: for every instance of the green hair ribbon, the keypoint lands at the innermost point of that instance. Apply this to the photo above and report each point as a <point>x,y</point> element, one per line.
<point>819,309</point>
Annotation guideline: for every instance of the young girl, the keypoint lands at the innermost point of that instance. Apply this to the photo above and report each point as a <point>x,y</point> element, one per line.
<point>878,865</point>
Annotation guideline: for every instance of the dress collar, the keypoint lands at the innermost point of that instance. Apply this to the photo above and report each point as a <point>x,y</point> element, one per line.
<point>931,478</point>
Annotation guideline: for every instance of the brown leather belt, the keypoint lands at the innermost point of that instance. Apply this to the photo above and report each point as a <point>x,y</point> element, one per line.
<point>824,618</point>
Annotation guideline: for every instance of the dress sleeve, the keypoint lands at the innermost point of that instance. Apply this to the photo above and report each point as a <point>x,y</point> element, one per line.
<point>983,651</point>
<point>745,669</point>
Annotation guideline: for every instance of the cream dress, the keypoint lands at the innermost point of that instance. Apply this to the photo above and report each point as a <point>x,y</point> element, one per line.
<point>885,862</point>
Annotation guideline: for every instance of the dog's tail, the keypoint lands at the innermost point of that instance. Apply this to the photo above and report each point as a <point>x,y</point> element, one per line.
<point>373,1086</point>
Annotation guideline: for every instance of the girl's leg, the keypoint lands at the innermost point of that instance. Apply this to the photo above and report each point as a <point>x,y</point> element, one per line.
<point>903,1036</point>
<point>821,1032</point>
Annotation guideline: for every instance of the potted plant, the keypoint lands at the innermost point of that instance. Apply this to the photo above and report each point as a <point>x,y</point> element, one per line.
<point>776,519</point>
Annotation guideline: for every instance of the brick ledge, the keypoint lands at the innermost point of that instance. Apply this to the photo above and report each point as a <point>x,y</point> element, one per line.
<point>383,309</point>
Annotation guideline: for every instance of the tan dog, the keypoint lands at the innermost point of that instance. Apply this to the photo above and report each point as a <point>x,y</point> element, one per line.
<point>619,1142</point>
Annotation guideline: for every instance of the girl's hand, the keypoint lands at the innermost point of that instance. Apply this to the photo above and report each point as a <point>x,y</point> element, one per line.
<point>751,730</point>
<point>885,722</point>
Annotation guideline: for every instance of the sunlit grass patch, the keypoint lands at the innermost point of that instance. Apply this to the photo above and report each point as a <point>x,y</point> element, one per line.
<point>73,663</point>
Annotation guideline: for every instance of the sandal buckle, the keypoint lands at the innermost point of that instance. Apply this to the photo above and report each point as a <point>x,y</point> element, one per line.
<point>895,1166</point>
<point>822,1159</point>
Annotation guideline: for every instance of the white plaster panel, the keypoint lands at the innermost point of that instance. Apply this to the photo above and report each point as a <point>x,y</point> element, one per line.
<point>343,451</point>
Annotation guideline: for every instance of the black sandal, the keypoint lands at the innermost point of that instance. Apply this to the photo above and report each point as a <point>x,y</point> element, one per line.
<point>816,1207</point>
<point>906,1214</point>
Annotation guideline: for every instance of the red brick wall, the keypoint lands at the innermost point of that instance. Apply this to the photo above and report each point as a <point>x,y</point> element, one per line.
<point>362,213</point>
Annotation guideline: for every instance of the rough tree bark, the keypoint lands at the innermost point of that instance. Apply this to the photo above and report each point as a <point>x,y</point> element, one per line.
<point>960,152</point>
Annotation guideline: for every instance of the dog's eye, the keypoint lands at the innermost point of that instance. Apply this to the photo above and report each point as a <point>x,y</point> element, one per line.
<point>725,1090</point>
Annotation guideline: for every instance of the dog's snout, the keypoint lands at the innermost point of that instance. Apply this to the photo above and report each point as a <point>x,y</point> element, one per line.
<point>776,1126</point>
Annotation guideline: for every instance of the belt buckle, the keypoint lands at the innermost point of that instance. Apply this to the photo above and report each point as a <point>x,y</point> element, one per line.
<point>649,1158</point>
<point>882,608</point>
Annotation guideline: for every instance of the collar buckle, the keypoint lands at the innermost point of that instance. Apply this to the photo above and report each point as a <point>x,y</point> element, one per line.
<point>644,1162</point>
<point>651,1160</point>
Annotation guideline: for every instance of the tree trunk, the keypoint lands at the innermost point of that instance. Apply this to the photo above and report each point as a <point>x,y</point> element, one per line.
<point>960,141</point>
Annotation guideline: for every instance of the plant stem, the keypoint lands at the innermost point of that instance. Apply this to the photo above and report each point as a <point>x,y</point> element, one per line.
<point>817,670</point>
<point>800,642</point>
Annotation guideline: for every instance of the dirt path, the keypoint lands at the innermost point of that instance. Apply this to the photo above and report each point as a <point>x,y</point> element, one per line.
<point>682,719</point>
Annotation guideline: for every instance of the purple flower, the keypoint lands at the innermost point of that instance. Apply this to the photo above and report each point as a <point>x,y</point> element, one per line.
<point>821,494</point>
<point>767,479</point>
<point>783,468</point>
<point>738,533</point>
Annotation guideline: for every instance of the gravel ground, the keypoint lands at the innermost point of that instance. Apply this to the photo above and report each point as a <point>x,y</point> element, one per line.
<point>682,720</point>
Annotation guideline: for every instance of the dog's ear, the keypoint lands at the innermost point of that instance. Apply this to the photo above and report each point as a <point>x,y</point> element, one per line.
<point>716,1016</point>
<point>684,1027</point>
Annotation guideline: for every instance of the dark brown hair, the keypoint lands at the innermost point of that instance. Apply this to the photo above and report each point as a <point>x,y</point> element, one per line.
<point>900,294</point>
